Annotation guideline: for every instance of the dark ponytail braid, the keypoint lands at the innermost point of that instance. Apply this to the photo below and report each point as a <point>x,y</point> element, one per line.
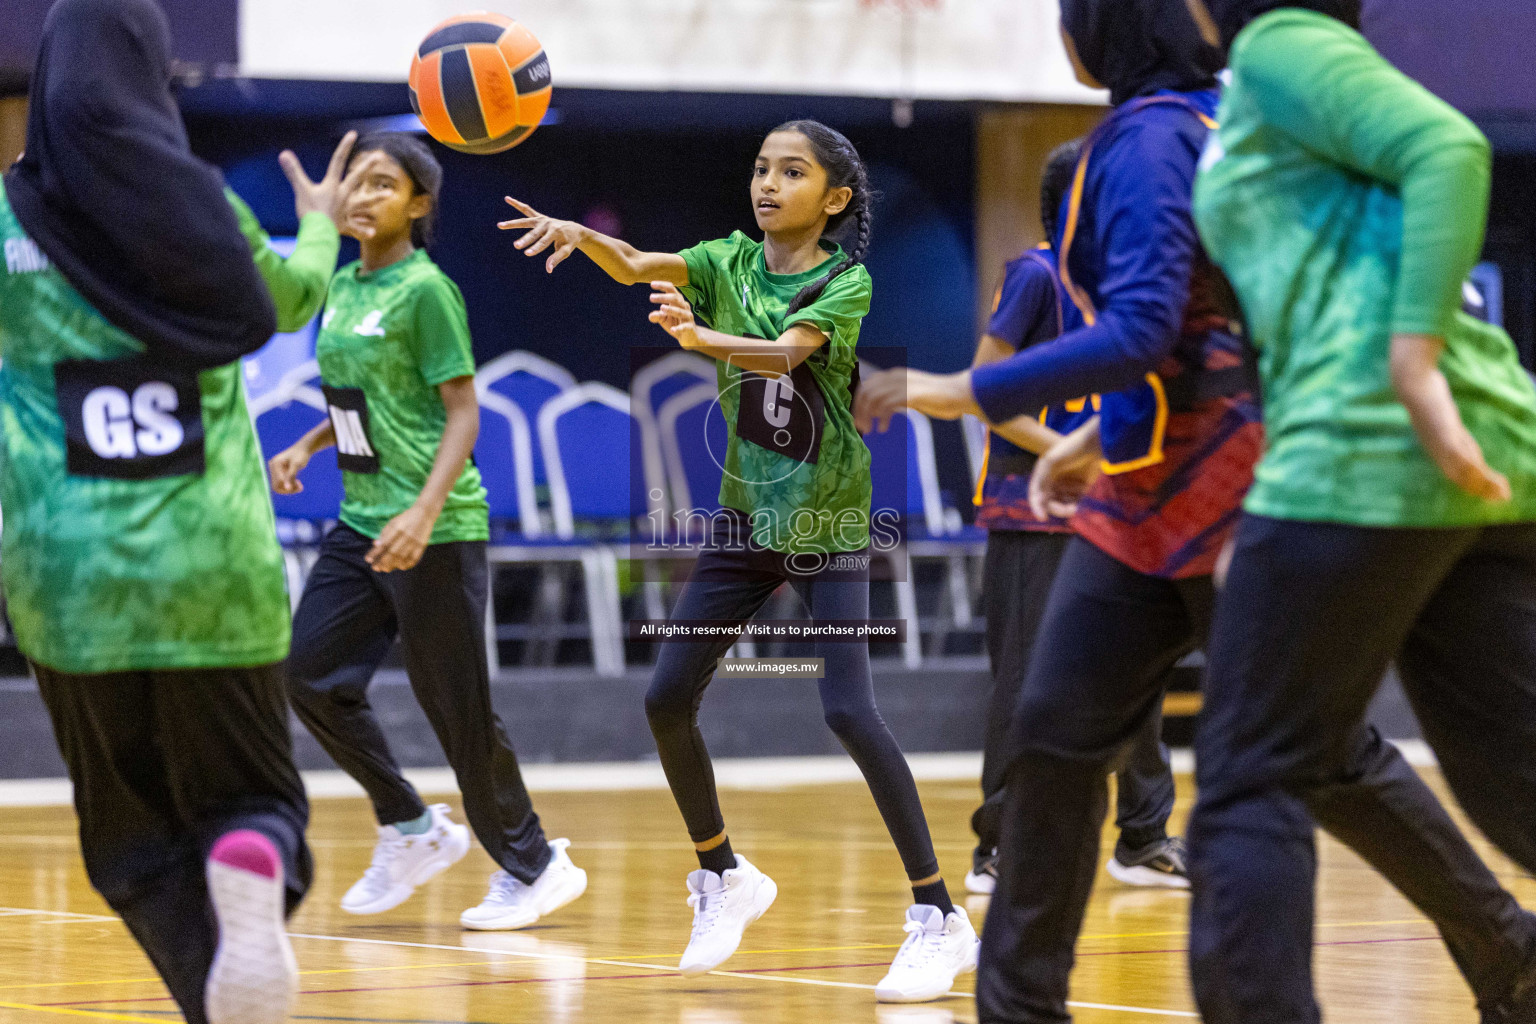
<point>845,169</point>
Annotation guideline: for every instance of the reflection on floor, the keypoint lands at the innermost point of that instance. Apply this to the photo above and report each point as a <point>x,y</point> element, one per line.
<point>607,958</point>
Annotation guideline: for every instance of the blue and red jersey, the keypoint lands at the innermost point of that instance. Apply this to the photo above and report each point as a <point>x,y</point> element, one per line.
<point>1029,309</point>
<point>1180,417</point>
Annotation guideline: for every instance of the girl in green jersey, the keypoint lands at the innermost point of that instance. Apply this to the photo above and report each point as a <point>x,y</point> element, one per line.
<point>1392,517</point>
<point>142,571</point>
<point>783,318</point>
<point>409,558</point>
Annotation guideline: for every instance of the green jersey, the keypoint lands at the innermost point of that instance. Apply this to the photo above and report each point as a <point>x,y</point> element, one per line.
<point>387,340</point>
<point>1339,227</point>
<point>138,529</point>
<point>794,461</point>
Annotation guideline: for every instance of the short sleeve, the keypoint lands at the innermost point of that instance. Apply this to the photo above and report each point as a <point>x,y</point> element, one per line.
<point>843,304</point>
<point>441,335</point>
<point>706,264</point>
<point>1026,308</point>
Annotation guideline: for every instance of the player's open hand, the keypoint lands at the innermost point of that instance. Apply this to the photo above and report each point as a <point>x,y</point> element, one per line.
<point>1065,471</point>
<point>674,313</point>
<point>285,468</point>
<point>328,195</point>
<point>402,541</point>
<point>880,396</point>
<point>543,232</point>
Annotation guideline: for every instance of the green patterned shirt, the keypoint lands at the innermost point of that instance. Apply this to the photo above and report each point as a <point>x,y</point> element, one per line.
<point>1338,227</point>
<point>794,461</point>
<point>119,554</point>
<point>387,340</point>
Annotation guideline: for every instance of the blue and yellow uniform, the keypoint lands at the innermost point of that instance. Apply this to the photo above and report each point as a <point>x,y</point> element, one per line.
<point>1029,309</point>
<point>1180,419</point>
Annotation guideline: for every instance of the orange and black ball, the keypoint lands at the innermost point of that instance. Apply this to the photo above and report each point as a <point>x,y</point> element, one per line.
<point>480,83</point>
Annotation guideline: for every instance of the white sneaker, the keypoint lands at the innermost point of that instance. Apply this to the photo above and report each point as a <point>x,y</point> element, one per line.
<point>938,948</point>
<point>723,906</point>
<point>254,978</point>
<point>402,862</point>
<point>1159,865</point>
<point>511,904</point>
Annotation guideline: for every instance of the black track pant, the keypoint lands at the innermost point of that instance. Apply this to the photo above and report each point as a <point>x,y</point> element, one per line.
<point>1311,616</point>
<point>347,620</point>
<point>1108,638</point>
<point>1016,580</point>
<point>733,585</point>
<point>163,764</point>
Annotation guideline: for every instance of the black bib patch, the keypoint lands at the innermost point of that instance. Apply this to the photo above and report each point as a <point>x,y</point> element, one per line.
<point>128,419</point>
<point>783,414</point>
<point>348,408</point>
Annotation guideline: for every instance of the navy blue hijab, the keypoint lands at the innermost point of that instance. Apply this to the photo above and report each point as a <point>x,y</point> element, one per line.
<point>1232,15</point>
<point>109,189</point>
<point>1138,47</point>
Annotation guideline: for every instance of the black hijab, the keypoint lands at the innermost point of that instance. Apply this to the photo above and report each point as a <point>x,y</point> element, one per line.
<point>111,192</point>
<point>1232,15</point>
<point>1136,47</point>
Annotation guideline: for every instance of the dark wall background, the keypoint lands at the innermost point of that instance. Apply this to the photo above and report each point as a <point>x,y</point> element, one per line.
<point>205,32</point>
<point>661,170</point>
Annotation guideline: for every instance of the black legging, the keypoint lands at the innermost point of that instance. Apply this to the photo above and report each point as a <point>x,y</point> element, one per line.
<point>1109,635</point>
<point>732,585</point>
<point>347,620</point>
<point>1311,616</point>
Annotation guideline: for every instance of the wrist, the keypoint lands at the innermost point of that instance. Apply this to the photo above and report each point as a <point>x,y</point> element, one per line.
<point>429,507</point>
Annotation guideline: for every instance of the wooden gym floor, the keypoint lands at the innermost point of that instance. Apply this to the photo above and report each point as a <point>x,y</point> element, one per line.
<point>606,958</point>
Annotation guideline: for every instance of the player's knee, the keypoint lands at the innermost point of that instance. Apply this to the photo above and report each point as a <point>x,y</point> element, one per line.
<point>668,707</point>
<point>846,722</point>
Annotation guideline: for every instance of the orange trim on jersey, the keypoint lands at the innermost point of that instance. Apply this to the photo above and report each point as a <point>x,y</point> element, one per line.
<point>1159,428</point>
<point>981,475</point>
<point>1084,304</point>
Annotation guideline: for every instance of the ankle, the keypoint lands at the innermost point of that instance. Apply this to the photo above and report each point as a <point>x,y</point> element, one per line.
<point>719,857</point>
<point>934,894</point>
<point>416,826</point>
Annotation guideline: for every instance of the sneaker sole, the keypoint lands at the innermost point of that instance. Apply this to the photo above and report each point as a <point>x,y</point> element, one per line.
<point>767,892</point>
<point>980,885</point>
<point>450,855</point>
<point>1143,877</point>
<point>254,978</point>
<point>567,893</point>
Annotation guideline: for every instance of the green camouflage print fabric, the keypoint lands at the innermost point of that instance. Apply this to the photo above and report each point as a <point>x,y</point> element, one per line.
<point>796,506</point>
<point>397,334</point>
<point>1293,202</point>
<point>108,575</point>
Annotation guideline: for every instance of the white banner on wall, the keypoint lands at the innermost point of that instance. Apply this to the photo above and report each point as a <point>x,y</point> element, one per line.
<point>924,49</point>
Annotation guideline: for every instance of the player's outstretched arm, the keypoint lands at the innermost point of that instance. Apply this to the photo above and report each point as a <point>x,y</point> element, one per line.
<point>619,260</point>
<point>944,396</point>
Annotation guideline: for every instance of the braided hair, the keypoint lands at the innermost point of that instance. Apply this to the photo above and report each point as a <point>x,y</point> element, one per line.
<point>845,169</point>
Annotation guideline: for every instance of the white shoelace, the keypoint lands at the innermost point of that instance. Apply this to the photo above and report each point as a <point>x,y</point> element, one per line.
<point>706,909</point>
<point>920,948</point>
<point>385,852</point>
<point>503,888</point>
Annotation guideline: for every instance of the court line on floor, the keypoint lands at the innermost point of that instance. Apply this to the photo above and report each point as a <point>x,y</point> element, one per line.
<point>725,974</point>
<point>614,776</point>
<point>66,1012</point>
